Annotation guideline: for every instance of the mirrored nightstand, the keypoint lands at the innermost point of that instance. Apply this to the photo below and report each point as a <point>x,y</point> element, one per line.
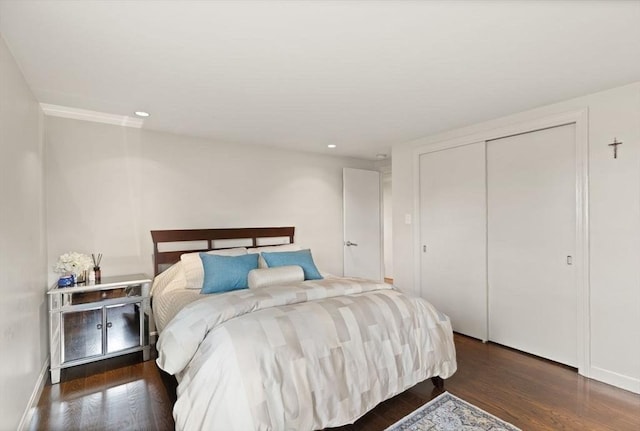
<point>98,321</point>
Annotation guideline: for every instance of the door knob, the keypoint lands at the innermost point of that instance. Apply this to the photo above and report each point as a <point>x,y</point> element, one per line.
<point>349,244</point>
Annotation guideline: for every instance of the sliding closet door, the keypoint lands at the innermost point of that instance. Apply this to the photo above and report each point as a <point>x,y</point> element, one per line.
<point>531,187</point>
<point>453,234</point>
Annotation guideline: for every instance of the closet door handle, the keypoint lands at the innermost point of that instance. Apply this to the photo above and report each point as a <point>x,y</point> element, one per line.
<point>350,244</point>
<point>569,260</point>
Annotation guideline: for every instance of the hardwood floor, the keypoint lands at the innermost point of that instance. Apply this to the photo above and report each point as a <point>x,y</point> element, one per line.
<point>529,392</point>
<point>122,393</point>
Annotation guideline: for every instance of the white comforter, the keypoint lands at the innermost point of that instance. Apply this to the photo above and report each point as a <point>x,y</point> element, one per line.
<point>302,356</point>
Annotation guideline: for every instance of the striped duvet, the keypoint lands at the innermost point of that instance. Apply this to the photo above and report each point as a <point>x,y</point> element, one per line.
<point>300,356</point>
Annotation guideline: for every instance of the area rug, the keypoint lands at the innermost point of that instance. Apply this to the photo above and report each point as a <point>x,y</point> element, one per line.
<point>449,413</point>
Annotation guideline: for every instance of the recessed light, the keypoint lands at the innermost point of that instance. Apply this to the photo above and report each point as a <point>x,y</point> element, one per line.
<point>331,146</point>
<point>142,114</point>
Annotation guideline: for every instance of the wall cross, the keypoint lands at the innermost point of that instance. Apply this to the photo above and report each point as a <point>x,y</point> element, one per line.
<point>615,144</point>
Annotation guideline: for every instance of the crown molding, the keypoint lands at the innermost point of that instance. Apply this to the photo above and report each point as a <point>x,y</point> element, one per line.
<point>86,115</point>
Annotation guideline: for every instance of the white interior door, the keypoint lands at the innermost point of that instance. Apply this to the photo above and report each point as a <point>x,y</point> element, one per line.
<point>531,232</point>
<point>453,235</point>
<point>362,228</point>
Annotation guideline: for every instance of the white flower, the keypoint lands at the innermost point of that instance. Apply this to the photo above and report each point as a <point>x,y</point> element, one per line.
<point>72,263</point>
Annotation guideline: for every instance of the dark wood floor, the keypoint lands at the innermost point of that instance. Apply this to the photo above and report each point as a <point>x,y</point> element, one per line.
<point>531,393</point>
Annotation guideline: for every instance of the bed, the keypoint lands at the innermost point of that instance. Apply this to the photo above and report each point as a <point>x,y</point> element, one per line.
<point>298,350</point>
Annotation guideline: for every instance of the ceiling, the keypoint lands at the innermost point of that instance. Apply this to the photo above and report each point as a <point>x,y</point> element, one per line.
<point>301,75</point>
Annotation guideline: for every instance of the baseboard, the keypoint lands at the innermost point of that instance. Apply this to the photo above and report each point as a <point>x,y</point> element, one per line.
<point>619,380</point>
<point>35,397</point>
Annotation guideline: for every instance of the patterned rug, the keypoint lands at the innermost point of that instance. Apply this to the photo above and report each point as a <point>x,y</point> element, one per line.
<point>449,413</point>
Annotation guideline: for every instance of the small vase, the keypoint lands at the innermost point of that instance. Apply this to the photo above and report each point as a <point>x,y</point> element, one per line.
<point>96,270</point>
<point>65,281</point>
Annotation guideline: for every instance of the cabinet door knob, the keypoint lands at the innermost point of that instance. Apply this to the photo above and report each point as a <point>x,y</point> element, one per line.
<point>99,326</point>
<point>109,325</point>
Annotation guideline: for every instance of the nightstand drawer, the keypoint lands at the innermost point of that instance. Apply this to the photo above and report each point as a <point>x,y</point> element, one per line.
<point>104,295</point>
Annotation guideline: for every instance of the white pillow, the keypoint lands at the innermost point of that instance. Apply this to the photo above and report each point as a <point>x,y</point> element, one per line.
<point>271,249</point>
<point>271,276</point>
<point>192,265</point>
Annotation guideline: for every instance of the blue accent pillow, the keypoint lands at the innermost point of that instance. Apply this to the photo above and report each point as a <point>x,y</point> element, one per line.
<point>226,273</point>
<point>301,258</point>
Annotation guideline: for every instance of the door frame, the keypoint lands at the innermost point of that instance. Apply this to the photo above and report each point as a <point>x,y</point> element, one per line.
<point>385,175</point>
<point>580,118</point>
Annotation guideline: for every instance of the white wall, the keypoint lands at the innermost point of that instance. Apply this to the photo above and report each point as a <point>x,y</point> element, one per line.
<point>614,223</point>
<point>108,186</point>
<point>23,314</point>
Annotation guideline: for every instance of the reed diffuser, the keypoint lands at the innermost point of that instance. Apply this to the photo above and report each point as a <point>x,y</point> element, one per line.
<point>96,266</point>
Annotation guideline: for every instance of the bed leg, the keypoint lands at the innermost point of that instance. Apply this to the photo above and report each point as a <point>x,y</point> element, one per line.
<point>438,382</point>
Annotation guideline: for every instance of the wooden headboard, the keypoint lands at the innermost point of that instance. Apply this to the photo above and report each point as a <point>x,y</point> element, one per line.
<point>245,237</point>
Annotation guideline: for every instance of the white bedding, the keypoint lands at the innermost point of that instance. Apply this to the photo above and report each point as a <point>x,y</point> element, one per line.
<point>170,295</point>
<point>299,356</point>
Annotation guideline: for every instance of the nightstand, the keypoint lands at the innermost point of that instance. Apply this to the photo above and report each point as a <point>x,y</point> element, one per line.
<point>98,321</point>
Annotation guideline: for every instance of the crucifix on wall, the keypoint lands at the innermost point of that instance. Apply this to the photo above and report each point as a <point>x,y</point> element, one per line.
<point>615,144</point>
